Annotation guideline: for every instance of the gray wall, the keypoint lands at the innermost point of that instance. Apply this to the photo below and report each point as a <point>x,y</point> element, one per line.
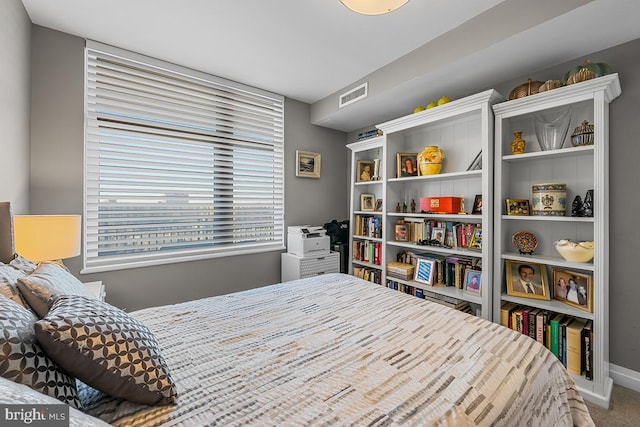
<point>57,173</point>
<point>15,47</point>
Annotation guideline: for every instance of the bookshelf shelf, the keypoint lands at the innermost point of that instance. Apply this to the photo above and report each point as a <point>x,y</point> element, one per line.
<point>581,169</point>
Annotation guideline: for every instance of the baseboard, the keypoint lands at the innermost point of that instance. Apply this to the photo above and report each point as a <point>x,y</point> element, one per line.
<point>625,377</point>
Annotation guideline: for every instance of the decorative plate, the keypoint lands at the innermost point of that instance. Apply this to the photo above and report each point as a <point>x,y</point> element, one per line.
<point>525,242</point>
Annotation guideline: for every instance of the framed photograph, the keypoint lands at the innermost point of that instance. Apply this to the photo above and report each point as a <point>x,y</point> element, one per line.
<point>573,288</point>
<point>476,239</point>
<point>473,281</point>
<point>477,205</point>
<point>476,164</point>
<point>367,202</point>
<point>438,233</point>
<point>407,164</point>
<point>424,271</point>
<point>378,205</point>
<point>364,170</point>
<point>401,233</point>
<point>518,207</point>
<point>526,279</point>
<point>307,164</point>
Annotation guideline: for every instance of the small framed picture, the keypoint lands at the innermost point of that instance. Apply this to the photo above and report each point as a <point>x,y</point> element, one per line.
<point>573,288</point>
<point>518,207</point>
<point>476,239</point>
<point>378,205</point>
<point>407,164</point>
<point>307,164</point>
<point>438,233</point>
<point>526,279</point>
<point>473,281</point>
<point>477,205</point>
<point>401,233</point>
<point>367,202</point>
<point>365,170</point>
<point>476,164</point>
<point>424,271</point>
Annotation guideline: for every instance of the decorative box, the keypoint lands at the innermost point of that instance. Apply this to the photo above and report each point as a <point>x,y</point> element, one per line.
<point>445,205</point>
<point>400,270</point>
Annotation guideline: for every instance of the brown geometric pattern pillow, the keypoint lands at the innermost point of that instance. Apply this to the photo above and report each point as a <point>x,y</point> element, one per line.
<point>23,361</point>
<point>48,281</point>
<point>107,349</point>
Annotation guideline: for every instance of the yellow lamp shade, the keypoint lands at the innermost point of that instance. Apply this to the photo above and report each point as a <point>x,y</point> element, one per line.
<point>47,237</point>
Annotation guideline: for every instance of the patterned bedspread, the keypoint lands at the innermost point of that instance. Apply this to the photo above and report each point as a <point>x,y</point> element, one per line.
<point>335,350</point>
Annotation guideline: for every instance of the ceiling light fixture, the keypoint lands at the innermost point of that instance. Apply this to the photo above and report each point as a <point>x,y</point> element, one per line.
<point>373,7</point>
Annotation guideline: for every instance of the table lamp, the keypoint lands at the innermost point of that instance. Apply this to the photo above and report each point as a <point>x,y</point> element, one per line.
<point>47,237</point>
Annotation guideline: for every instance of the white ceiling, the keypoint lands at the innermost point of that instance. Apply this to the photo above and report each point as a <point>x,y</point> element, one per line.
<point>310,49</point>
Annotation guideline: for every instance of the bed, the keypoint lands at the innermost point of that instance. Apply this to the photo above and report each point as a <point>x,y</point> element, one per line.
<point>337,350</point>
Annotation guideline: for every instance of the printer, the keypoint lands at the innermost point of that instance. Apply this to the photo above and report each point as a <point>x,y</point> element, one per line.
<point>307,240</point>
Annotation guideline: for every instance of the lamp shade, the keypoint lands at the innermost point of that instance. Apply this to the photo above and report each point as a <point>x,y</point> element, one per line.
<point>47,237</point>
<point>373,7</point>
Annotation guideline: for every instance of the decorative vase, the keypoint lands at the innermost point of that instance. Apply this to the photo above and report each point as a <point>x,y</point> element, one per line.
<point>518,144</point>
<point>376,170</point>
<point>430,160</point>
<point>551,129</point>
<point>549,199</point>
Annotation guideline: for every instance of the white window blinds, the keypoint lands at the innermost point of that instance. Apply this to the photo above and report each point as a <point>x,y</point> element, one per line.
<point>179,165</point>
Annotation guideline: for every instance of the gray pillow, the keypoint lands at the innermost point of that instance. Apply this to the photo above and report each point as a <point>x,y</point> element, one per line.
<point>106,349</point>
<point>9,283</point>
<point>23,360</point>
<point>48,281</point>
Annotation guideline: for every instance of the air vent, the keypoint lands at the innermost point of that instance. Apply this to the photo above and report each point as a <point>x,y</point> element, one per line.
<point>353,95</point>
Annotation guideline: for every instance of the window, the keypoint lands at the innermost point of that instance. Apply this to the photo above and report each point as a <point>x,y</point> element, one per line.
<point>179,165</point>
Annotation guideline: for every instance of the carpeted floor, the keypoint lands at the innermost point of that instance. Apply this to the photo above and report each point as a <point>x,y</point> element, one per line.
<point>623,411</point>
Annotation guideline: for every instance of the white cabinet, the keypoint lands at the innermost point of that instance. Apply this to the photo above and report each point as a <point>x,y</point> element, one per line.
<point>463,129</point>
<point>295,267</point>
<point>581,168</point>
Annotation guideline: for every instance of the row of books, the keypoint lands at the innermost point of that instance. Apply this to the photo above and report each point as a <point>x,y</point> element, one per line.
<point>370,274</point>
<point>447,270</point>
<point>367,251</point>
<point>569,338</point>
<point>446,300</point>
<point>367,226</point>
<point>369,134</point>
<point>449,233</point>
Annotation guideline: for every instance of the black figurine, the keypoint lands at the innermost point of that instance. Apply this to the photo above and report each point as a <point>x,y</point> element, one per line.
<point>398,208</point>
<point>588,204</point>
<point>413,206</point>
<point>577,207</point>
<point>404,207</point>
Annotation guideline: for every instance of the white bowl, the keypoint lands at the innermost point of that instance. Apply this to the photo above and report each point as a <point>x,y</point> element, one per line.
<point>575,251</point>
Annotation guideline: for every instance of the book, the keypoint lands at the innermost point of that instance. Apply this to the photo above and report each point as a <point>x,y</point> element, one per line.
<point>574,346</point>
<point>532,322</point>
<point>505,311</point>
<point>541,327</point>
<point>562,339</point>
<point>587,336</point>
<point>553,337</point>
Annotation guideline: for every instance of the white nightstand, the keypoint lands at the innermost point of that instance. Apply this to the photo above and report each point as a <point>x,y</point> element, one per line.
<point>97,288</point>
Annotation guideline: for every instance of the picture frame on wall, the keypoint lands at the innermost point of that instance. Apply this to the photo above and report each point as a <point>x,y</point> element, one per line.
<point>519,274</point>
<point>308,164</point>
<point>573,288</point>
<point>407,164</point>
